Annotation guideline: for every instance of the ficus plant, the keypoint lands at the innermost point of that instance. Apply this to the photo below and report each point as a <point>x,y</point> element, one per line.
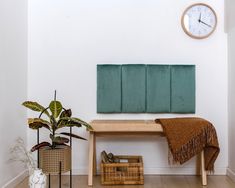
<point>57,117</point>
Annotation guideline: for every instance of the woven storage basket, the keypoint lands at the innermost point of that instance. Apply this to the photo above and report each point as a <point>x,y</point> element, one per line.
<point>123,173</point>
<point>50,159</point>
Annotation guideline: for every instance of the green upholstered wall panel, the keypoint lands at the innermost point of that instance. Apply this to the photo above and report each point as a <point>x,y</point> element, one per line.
<point>145,88</point>
<point>133,88</point>
<point>158,88</point>
<point>183,88</point>
<point>109,88</point>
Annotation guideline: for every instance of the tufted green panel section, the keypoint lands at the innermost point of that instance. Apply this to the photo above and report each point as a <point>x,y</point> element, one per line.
<point>133,88</point>
<point>158,88</point>
<point>109,88</point>
<point>183,88</point>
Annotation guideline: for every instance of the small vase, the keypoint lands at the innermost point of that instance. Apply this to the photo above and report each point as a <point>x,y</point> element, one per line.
<point>37,179</point>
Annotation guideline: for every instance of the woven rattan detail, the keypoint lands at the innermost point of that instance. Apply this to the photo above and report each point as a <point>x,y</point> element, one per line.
<point>50,159</point>
<point>128,172</point>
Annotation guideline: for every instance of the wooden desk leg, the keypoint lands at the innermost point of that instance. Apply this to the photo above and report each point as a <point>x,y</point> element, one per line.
<point>94,157</point>
<point>203,171</point>
<point>91,158</point>
<point>198,164</point>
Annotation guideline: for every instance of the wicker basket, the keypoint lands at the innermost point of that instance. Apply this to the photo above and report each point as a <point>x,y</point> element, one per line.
<point>50,159</point>
<point>128,171</point>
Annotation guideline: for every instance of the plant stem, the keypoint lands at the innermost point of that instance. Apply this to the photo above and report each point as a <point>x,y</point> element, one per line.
<point>55,96</point>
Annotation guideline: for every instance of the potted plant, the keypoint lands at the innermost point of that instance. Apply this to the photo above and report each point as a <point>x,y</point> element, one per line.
<point>56,151</point>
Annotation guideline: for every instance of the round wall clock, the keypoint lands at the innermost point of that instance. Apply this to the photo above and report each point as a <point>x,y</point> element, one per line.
<point>199,21</point>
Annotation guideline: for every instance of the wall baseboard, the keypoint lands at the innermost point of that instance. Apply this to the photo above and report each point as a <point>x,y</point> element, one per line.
<point>231,174</point>
<point>16,180</point>
<point>161,171</point>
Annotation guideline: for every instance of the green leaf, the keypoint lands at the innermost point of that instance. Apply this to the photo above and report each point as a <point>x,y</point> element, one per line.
<point>67,123</point>
<point>85,124</point>
<point>60,140</point>
<point>53,123</point>
<point>73,135</point>
<point>35,107</point>
<point>56,108</point>
<point>36,123</point>
<point>66,113</point>
<point>79,121</point>
<point>38,146</point>
<point>62,123</point>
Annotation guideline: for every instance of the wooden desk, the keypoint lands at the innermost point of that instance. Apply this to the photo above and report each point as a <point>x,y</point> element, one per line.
<point>124,127</point>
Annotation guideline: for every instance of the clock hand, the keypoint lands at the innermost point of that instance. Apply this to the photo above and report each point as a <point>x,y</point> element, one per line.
<point>199,20</point>
<point>205,23</point>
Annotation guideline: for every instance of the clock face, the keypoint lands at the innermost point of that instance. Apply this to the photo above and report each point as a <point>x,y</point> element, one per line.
<point>199,21</point>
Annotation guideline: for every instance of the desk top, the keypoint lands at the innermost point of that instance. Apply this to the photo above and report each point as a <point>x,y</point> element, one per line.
<point>134,126</point>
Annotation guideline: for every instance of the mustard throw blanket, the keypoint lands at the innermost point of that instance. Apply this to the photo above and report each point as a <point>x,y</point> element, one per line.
<point>189,136</point>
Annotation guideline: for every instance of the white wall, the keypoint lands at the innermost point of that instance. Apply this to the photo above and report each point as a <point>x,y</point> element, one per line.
<point>67,39</point>
<point>231,76</point>
<point>13,82</point>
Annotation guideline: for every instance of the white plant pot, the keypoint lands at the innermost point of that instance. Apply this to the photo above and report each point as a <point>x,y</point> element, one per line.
<point>37,179</point>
